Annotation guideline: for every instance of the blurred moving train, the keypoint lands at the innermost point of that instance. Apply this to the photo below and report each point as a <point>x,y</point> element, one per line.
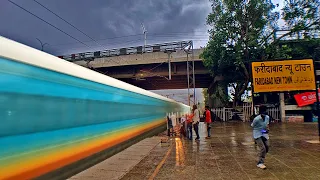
<point>54,113</point>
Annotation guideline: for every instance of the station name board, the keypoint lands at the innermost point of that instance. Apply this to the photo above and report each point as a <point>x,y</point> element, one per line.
<point>277,76</point>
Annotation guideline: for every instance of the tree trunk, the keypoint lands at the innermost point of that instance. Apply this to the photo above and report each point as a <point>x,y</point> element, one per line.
<point>241,87</point>
<point>234,103</point>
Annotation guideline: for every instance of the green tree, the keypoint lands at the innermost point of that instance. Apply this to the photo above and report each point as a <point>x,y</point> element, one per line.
<point>206,96</point>
<point>301,15</point>
<point>302,20</point>
<point>243,31</point>
<point>240,30</point>
<point>298,49</point>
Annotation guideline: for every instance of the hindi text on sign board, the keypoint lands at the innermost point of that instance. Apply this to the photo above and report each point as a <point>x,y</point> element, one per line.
<point>288,75</point>
<point>280,68</point>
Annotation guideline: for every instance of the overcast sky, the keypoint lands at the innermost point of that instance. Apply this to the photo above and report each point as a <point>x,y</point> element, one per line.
<point>103,21</point>
<point>110,23</point>
<point>104,24</point>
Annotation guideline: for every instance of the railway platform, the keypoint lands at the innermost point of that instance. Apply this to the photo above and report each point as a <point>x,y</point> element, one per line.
<point>229,154</point>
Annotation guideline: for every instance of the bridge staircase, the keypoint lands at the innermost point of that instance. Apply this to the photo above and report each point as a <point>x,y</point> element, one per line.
<point>239,112</point>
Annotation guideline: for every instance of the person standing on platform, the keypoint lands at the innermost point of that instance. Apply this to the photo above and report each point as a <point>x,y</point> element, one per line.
<point>169,126</point>
<point>260,126</point>
<point>174,123</point>
<point>174,119</point>
<point>196,120</point>
<point>189,126</point>
<point>183,126</point>
<point>208,121</point>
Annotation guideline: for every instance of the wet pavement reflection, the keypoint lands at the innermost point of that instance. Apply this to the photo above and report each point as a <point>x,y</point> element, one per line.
<point>231,154</point>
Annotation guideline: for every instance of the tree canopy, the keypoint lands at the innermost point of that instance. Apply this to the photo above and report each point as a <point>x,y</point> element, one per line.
<point>243,31</point>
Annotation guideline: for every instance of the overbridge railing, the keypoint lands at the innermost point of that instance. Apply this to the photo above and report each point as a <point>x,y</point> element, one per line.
<point>127,51</point>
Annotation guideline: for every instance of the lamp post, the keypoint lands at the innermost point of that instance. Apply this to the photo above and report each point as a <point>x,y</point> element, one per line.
<point>42,44</point>
<point>144,30</point>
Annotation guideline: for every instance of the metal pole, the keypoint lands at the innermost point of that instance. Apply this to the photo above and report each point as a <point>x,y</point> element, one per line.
<point>188,79</point>
<point>145,37</point>
<point>318,108</point>
<point>282,107</point>
<point>317,95</point>
<point>169,63</point>
<point>224,113</point>
<point>145,40</point>
<point>193,76</point>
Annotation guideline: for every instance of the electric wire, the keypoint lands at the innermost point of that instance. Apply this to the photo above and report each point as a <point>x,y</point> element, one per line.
<point>47,22</point>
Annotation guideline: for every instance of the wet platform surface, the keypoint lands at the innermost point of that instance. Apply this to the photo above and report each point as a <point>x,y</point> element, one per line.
<point>118,165</point>
<point>231,154</point>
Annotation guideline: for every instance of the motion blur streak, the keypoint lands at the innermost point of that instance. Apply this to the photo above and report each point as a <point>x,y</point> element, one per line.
<point>54,113</point>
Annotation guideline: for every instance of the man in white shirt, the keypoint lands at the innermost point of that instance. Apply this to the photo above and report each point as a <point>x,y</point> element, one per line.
<point>174,119</point>
<point>196,120</point>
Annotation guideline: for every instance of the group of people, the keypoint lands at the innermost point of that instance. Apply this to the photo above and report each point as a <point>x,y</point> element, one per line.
<point>191,121</point>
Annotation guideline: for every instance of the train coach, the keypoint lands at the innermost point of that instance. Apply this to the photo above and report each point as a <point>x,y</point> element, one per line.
<point>55,116</point>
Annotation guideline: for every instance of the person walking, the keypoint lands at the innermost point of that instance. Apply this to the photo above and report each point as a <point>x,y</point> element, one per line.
<point>260,126</point>
<point>208,121</point>
<point>196,120</point>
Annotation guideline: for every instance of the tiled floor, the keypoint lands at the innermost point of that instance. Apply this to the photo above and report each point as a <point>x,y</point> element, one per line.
<point>230,154</point>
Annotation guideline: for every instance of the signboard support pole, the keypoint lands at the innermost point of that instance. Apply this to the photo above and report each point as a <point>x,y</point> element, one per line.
<point>317,97</point>
<point>318,108</point>
<point>282,107</point>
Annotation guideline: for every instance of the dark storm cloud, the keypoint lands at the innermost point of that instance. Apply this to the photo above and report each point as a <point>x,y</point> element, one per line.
<point>103,19</point>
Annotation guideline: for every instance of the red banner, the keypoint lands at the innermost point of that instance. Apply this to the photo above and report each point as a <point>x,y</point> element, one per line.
<point>306,98</point>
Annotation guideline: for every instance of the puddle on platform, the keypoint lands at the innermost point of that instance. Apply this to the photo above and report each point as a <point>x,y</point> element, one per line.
<point>314,141</point>
<point>247,143</point>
